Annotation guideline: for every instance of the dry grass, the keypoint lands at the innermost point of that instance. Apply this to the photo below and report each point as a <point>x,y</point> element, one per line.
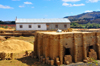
<point>11,29</point>
<point>28,39</point>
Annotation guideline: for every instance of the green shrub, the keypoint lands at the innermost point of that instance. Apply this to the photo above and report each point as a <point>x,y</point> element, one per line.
<point>6,26</point>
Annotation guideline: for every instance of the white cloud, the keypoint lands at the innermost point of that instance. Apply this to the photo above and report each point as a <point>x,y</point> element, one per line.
<point>88,11</point>
<point>70,5</point>
<point>32,7</point>
<point>66,4</point>
<point>27,2</point>
<point>78,4</point>
<point>92,1</point>
<point>15,0</point>
<point>21,6</point>
<point>70,0</point>
<point>6,7</point>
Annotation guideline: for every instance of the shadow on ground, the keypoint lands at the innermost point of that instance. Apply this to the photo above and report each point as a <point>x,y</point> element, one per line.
<point>31,62</point>
<point>35,62</point>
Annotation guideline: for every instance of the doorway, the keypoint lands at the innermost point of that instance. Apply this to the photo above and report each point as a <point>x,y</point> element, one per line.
<point>67,51</point>
<point>90,47</point>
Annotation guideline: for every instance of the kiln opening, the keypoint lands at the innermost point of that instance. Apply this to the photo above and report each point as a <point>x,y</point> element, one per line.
<point>67,51</point>
<point>90,47</point>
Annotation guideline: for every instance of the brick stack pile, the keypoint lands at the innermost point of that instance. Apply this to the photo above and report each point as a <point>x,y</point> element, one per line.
<point>67,59</point>
<point>57,61</point>
<point>92,54</point>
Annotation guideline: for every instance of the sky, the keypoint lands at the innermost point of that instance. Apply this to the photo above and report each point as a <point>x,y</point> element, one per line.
<point>10,9</point>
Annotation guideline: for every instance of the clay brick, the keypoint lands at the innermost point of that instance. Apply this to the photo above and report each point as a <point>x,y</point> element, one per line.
<point>68,58</point>
<point>57,63</point>
<point>57,59</point>
<point>67,62</point>
<point>52,62</point>
<point>47,59</point>
<point>41,58</point>
<point>92,54</point>
<point>44,60</point>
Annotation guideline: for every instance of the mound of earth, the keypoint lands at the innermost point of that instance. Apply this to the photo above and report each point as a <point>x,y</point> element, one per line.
<point>15,46</point>
<point>2,38</point>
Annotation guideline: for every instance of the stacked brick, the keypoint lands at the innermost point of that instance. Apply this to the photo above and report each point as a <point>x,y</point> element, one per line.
<point>67,59</point>
<point>51,45</point>
<point>93,54</point>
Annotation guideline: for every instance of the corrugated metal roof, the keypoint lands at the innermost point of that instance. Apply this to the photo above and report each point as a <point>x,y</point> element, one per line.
<point>54,20</point>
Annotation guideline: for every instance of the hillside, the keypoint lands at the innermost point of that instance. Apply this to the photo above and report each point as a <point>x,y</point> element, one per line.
<point>7,22</point>
<point>85,15</point>
<point>92,17</point>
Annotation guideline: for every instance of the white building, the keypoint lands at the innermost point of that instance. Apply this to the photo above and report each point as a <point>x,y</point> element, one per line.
<point>42,24</point>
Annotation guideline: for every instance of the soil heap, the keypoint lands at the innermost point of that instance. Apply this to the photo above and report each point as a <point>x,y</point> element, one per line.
<point>15,46</point>
<point>2,38</point>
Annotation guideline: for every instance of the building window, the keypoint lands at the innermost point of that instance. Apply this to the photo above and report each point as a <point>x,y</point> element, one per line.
<point>30,26</point>
<point>56,26</point>
<point>39,26</point>
<point>65,26</point>
<point>21,26</point>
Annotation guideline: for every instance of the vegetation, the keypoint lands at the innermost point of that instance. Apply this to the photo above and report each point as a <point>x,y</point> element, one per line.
<point>6,26</point>
<point>92,62</point>
<point>8,22</point>
<point>88,25</point>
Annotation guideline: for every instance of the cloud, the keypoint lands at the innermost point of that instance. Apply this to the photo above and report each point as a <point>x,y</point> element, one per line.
<point>5,7</point>
<point>66,4</point>
<point>15,0</point>
<point>88,11</point>
<point>70,5</point>
<point>27,2</point>
<point>21,6</point>
<point>32,7</point>
<point>70,0</point>
<point>78,4</point>
<point>92,1</point>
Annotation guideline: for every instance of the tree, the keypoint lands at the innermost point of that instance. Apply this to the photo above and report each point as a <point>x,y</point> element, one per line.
<point>6,26</point>
<point>13,22</point>
<point>74,24</point>
<point>2,26</point>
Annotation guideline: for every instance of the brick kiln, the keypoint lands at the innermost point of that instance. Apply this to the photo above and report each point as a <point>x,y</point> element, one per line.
<point>66,47</point>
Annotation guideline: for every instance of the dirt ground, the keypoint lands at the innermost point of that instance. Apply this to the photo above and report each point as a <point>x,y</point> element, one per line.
<point>22,60</point>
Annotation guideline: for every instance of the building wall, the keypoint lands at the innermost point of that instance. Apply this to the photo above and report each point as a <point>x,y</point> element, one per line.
<point>98,44</point>
<point>34,27</point>
<point>89,39</point>
<point>60,26</point>
<point>78,47</point>
<point>68,42</point>
<point>43,26</point>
